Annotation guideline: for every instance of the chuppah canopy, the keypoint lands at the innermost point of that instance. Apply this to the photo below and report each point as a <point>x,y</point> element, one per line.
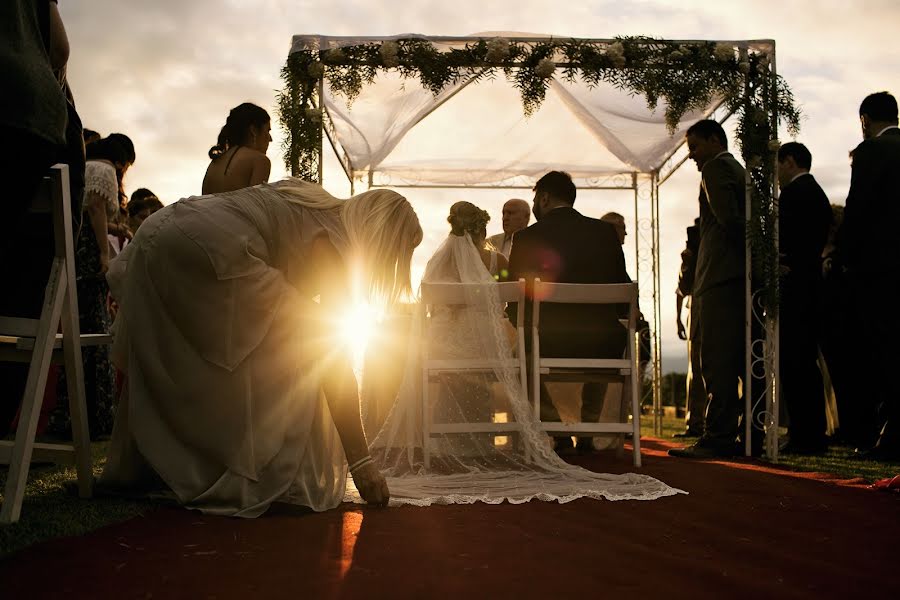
<point>606,110</point>
<point>393,133</point>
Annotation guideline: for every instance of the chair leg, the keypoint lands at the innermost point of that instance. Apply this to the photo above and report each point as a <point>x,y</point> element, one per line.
<point>426,423</point>
<point>636,417</point>
<point>20,461</point>
<point>81,437</point>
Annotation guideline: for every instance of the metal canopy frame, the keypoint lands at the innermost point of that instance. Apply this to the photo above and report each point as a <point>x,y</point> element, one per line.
<point>766,359</point>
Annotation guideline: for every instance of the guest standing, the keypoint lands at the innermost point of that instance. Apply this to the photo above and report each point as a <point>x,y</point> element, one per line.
<point>33,46</point>
<point>239,157</point>
<point>719,287</point>
<point>868,247</point>
<point>695,412</point>
<point>107,162</point>
<point>804,218</point>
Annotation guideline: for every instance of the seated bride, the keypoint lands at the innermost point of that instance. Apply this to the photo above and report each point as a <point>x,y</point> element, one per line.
<point>465,466</point>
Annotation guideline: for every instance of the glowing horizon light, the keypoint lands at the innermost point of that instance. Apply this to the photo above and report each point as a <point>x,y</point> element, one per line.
<point>355,329</point>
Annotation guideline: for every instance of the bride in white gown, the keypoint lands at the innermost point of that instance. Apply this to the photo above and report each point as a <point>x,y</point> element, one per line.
<point>467,467</point>
<point>228,305</point>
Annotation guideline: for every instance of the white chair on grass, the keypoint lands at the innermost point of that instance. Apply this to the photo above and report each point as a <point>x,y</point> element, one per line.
<point>586,370</point>
<point>434,295</point>
<point>36,341</point>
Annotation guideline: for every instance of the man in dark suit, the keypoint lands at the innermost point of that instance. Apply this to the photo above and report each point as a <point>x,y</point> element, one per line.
<point>804,218</point>
<point>566,247</point>
<point>695,415</point>
<point>719,287</point>
<point>868,248</point>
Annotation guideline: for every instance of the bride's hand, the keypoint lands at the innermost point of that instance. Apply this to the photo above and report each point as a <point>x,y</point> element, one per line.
<point>371,485</point>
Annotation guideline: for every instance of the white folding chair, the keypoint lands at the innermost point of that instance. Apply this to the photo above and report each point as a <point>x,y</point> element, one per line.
<point>448,294</point>
<point>37,342</point>
<point>625,369</point>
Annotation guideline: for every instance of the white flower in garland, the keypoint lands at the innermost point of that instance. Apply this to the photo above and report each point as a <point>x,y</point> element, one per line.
<point>724,52</point>
<point>616,53</point>
<point>316,69</point>
<point>388,52</point>
<point>497,50</point>
<point>545,68</point>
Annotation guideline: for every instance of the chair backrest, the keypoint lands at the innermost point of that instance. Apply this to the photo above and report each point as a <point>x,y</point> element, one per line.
<point>459,293</point>
<point>587,293</point>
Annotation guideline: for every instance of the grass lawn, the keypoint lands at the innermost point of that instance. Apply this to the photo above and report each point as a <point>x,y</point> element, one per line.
<point>52,508</point>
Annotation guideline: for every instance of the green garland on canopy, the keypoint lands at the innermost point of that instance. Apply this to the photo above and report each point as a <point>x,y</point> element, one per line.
<point>686,75</point>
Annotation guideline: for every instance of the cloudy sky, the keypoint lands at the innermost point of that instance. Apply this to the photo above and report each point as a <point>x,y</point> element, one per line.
<point>167,72</point>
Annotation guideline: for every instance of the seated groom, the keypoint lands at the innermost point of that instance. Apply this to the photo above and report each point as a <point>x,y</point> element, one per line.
<point>564,246</point>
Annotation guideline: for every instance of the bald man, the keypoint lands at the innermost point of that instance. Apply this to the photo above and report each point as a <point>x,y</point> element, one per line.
<point>617,221</point>
<point>516,214</point>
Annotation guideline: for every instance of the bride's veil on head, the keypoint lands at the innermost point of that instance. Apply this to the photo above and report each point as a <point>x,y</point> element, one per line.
<point>467,467</point>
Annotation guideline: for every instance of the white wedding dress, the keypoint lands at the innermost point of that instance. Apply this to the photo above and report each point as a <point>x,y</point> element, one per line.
<point>223,398</point>
<point>467,467</point>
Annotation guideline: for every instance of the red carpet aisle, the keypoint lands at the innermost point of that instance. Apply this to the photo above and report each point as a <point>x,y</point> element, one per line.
<point>745,530</point>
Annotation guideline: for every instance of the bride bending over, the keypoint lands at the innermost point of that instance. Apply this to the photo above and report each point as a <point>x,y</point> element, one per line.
<point>238,394</point>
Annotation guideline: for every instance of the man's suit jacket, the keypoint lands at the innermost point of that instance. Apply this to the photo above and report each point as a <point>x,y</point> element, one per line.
<point>720,257</point>
<point>804,219</point>
<point>867,240</point>
<point>567,247</point>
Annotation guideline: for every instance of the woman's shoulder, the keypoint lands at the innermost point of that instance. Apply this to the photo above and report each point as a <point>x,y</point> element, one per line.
<point>100,178</point>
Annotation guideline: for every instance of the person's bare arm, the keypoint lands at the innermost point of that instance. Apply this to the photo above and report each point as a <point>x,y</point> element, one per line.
<point>339,382</point>
<point>262,166</point>
<point>679,300</point>
<point>59,41</point>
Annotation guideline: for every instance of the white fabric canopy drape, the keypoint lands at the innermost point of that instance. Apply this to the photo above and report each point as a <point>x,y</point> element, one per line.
<point>479,135</point>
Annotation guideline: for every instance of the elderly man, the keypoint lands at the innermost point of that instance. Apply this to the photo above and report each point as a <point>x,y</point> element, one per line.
<point>617,221</point>
<point>516,214</point>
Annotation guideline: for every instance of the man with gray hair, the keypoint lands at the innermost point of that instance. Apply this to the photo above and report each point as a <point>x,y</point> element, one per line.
<point>516,214</point>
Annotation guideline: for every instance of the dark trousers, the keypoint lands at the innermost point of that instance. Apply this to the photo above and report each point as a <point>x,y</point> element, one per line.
<point>838,335</point>
<point>877,358</point>
<point>695,416</point>
<point>722,350</point>
<point>606,344</point>
<point>801,380</point>
<point>26,249</point>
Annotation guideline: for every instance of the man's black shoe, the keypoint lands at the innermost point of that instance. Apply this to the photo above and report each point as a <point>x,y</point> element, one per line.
<point>688,433</point>
<point>698,451</point>
<point>877,454</point>
<point>563,446</point>
<point>585,445</point>
<point>804,449</point>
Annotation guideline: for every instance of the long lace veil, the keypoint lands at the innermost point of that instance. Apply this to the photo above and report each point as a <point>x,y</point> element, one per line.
<point>514,466</point>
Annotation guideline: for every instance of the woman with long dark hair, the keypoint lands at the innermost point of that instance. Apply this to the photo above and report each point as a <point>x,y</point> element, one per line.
<point>239,157</point>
